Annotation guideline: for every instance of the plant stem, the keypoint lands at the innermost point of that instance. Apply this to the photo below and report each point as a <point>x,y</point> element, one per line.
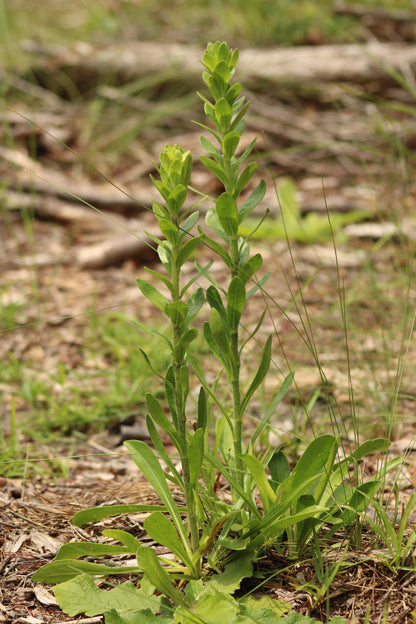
<point>180,410</point>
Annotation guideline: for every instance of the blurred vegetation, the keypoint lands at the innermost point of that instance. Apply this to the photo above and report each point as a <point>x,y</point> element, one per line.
<point>241,22</point>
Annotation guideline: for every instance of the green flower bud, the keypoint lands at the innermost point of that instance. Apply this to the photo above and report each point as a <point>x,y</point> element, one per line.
<point>175,166</point>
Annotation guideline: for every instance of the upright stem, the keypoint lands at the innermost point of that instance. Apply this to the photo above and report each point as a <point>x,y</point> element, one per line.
<point>234,339</point>
<point>181,412</point>
<point>235,381</point>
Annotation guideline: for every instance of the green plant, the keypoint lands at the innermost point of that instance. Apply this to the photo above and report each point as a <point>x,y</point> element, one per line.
<point>215,547</point>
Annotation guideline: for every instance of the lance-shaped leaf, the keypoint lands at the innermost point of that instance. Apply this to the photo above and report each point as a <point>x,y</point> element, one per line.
<point>252,200</point>
<point>74,550</point>
<point>196,456</point>
<point>195,302</point>
<point>244,179</point>
<point>180,349</point>
<point>66,569</point>
<point>257,471</point>
<point>157,575</point>
<point>169,230</point>
<point>95,514</point>
<point>153,295</point>
<point>160,449</point>
<point>226,209</point>
<point>261,373</point>
<point>250,267</point>
<point>188,247</point>
<point>221,337</point>
<point>161,529</point>
<point>177,312</point>
<point>230,143</point>
<point>236,299</point>
<point>215,168</point>
<point>147,462</point>
<point>211,342</point>
<point>160,418</point>
<point>209,147</point>
<point>215,301</point>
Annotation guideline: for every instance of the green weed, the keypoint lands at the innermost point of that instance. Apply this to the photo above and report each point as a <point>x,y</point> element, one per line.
<point>269,501</point>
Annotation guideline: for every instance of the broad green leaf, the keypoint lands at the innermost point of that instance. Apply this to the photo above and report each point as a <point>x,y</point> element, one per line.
<point>278,607</point>
<point>267,494</point>
<point>160,418</point>
<point>283,390</point>
<point>189,247</point>
<point>66,569</point>
<point>81,595</point>
<point>236,299</point>
<point>226,209</point>
<point>215,168</point>
<point>261,373</point>
<point>176,199</point>
<point>359,502</point>
<point>313,459</point>
<point>230,143</point>
<point>222,114</point>
<point>153,295</point>
<point>169,230</point>
<point>216,85</point>
<point>73,550</point>
<point>279,468</point>
<point>126,538</point>
<point>222,69</point>
<point>252,201</point>
<point>210,608</point>
<point>248,269</point>
<point>149,465</point>
<point>161,529</point>
<point>95,514</point>
<point>239,567</point>
<point>144,616</point>
<point>157,575</point>
<point>177,312</point>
